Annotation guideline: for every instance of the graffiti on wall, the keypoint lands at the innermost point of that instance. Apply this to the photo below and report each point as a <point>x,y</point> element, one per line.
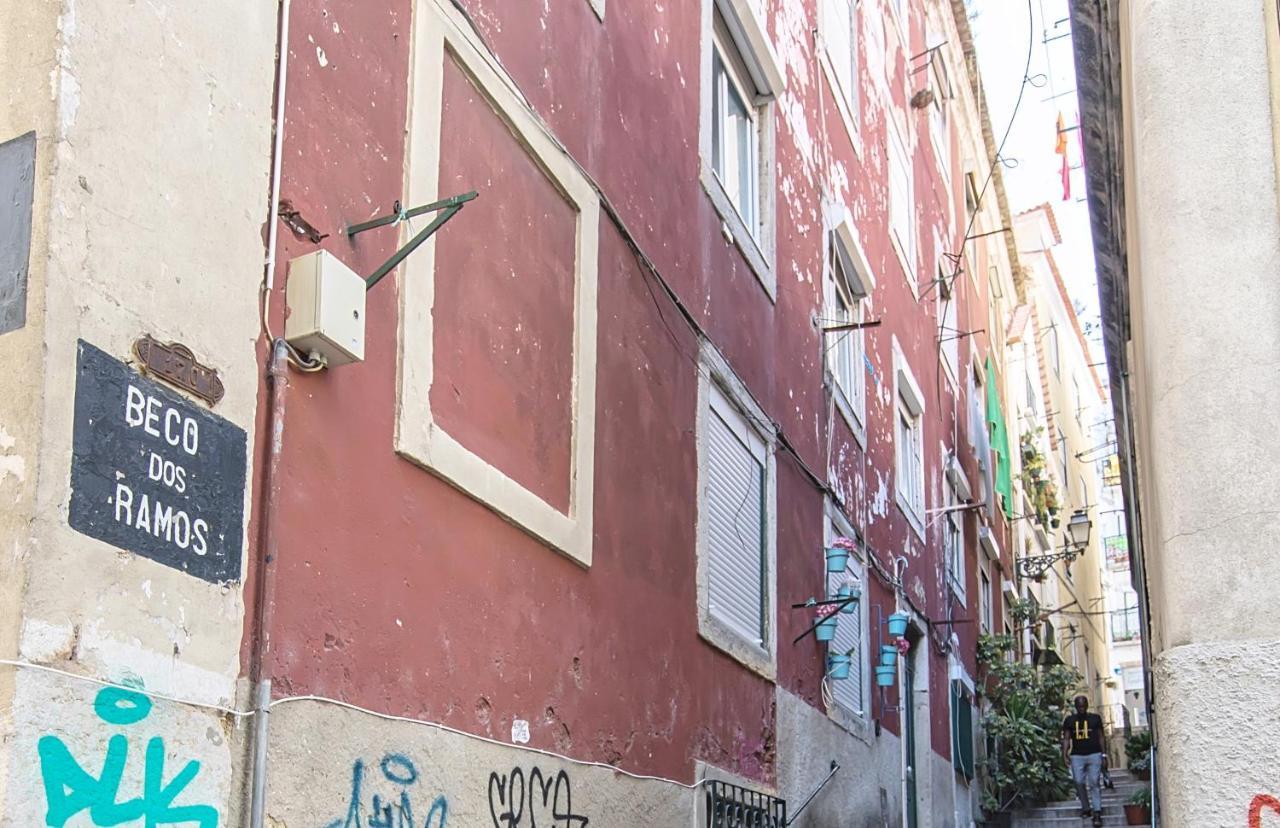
<point>542,800</point>
<point>1255,808</point>
<point>395,811</point>
<point>71,789</point>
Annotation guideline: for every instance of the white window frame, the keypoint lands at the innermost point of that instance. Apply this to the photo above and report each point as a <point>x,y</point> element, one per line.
<point>856,721</point>
<point>951,524</point>
<point>597,6</point>
<point>948,323</point>
<point>848,281</point>
<point>441,33</point>
<point>1055,354</point>
<point>908,435</point>
<point>720,388</point>
<point>986,599</point>
<point>939,118</point>
<point>902,219</point>
<point>839,24</point>
<point>734,31</point>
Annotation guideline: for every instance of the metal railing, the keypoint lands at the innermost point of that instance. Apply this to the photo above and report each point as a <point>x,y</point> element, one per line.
<point>732,806</point>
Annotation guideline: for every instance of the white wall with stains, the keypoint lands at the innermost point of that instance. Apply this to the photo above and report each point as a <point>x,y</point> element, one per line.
<point>153,123</point>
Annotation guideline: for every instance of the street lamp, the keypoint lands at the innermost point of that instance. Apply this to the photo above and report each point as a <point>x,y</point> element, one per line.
<point>1075,541</point>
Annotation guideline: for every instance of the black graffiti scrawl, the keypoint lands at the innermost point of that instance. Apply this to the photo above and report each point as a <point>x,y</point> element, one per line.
<point>154,473</point>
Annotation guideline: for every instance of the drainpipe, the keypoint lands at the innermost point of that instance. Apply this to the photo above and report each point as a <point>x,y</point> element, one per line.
<point>278,379</point>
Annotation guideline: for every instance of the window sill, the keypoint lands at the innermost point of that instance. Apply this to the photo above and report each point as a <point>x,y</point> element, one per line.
<point>597,6</point>
<point>958,593</point>
<point>913,517</point>
<point>856,725</point>
<point>733,644</point>
<point>756,256</point>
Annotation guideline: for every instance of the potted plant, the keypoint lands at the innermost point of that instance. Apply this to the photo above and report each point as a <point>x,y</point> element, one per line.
<point>1137,748</point>
<point>826,629</point>
<point>1137,811</point>
<point>838,553</point>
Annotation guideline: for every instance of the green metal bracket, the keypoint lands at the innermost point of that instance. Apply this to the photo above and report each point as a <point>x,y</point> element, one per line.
<point>448,209</point>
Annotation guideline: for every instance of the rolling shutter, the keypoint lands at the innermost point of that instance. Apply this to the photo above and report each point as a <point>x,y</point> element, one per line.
<point>735,523</point>
<point>848,692</point>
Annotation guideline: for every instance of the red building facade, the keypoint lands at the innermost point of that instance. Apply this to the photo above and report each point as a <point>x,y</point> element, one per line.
<point>712,308</point>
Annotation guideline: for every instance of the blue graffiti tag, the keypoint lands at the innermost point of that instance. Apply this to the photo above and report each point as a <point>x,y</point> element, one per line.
<point>70,789</point>
<point>400,771</point>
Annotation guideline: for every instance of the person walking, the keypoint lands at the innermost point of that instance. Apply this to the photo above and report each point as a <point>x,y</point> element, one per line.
<point>1082,747</point>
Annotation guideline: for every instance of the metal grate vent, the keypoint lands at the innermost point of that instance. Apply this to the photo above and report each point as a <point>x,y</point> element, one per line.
<point>732,806</point>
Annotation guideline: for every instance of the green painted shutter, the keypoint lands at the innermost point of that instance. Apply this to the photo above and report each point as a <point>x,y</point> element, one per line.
<point>999,439</point>
<point>962,730</point>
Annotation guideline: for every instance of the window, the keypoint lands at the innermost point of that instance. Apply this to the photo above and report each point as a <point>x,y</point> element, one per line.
<point>736,563</point>
<point>1031,395</point>
<point>1124,622</point>
<point>985,608</point>
<point>1079,403</point>
<point>1062,465</point>
<point>848,284</point>
<point>900,10</point>
<point>735,130</point>
<point>940,84</point>
<point>851,628</point>
<point>948,330</point>
<point>741,78</point>
<point>1053,350</point>
<point>902,211</point>
<point>962,729</point>
<point>839,27</point>
<point>909,444</point>
<point>970,194</point>
<point>953,540</point>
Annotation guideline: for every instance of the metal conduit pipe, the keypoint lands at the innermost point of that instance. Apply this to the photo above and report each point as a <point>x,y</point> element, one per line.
<point>264,600</point>
<point>278,380</point>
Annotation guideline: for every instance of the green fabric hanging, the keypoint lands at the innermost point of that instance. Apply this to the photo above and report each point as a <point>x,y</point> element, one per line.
<point>999,440</point>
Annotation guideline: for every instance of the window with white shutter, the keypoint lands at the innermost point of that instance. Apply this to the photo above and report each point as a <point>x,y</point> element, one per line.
<point>847,287</point>
<point>838,27</point>
<point>735,520</point>
<point>902,205</point>
<point>736,485</point>
<point>908,443</point>
<point>848,694</point>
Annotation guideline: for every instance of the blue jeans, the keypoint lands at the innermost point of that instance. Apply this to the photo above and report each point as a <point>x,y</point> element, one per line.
<point>1087,773</point>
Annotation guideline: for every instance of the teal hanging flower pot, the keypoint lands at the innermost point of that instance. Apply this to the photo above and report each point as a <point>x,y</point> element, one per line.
<point>898,624</point>
<point>885,675</point>
<point>888,655</point>
<point>826,629</point>
<point>838,665</point>
<point>837,558</point>
<point>849,591</point>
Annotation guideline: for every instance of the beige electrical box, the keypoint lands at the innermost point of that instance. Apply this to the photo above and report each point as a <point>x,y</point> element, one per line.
<point>326,308</point>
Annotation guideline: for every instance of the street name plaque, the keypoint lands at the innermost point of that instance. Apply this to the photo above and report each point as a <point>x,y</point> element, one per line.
<point>153,473</point>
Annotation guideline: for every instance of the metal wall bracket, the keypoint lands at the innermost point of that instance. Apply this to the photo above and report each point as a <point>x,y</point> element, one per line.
<point>448,208</point>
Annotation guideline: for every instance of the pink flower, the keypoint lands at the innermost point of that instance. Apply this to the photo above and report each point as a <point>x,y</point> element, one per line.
<point>826,610</point>
<point>904,646</point>
<point>847,544</point>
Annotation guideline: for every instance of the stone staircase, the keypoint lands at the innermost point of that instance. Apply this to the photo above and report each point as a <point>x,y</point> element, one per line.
<point>1067,814</point>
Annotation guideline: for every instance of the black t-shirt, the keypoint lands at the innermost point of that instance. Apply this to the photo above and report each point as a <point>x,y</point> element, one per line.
<point>1085,733</point>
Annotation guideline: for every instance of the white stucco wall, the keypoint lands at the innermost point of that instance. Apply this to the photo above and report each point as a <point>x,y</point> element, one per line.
<point>1204,253</point>
<point>153,124</point>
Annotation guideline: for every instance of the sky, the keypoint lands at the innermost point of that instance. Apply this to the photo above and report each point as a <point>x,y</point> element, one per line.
<point>1032,174</point>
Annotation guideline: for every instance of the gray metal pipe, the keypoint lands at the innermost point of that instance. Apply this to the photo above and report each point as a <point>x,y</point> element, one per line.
<point>278,379</point>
